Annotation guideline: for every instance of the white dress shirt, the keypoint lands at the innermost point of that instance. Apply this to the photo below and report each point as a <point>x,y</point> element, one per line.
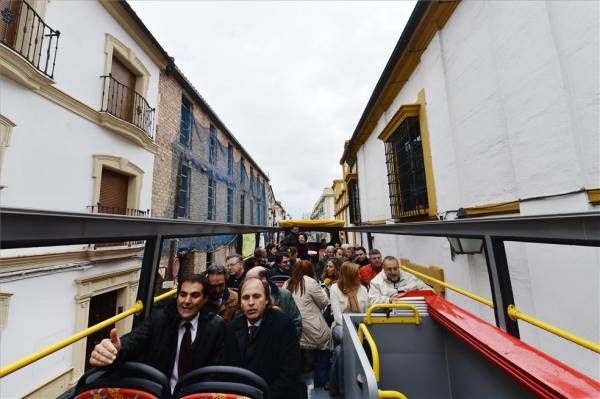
<point>180,332</point>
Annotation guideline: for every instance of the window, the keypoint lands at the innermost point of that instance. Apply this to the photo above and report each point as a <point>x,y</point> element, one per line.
<point>212,145</point>
<point>354,202</point>
<point>210,258</point>
<point>242,208</point>
<point>212,194</point>
<point>113,192</point>
<point>406,170</point>
<point>229,205</point>
<point>185,125</point>
<point>252,179</point>
<point>184,190</point>
<point>252,211</point>
<point>229,160</point>
<point>242,172</point>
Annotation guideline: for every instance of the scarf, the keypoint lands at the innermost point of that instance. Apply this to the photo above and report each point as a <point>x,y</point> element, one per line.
<point>352,299</point>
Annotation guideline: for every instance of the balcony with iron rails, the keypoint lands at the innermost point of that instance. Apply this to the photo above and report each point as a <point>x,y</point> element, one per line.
<point>114,210</point>
<point>25,32</point>
<point>125,103</point>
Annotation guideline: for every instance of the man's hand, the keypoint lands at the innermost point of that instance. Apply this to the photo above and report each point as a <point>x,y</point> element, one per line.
<point>106,351</point>
<point>397,296</point>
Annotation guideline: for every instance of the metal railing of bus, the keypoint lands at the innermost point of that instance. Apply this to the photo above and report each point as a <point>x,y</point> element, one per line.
<point>581,229</point>
<point>50,349</point>
<point>513,312</point>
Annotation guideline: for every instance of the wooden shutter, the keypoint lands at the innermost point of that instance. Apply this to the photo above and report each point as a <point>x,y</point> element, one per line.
<point>121,94</point>
<point>8,31</point>
<point>113,192</point>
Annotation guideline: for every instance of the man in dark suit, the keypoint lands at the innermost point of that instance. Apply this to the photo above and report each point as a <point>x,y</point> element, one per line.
<point>264,341</point>
<point>175,340</point>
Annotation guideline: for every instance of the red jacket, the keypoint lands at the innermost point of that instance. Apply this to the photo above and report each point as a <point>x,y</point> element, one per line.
<point>367,273</point>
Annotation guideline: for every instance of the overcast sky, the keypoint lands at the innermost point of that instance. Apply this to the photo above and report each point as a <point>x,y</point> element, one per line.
<point>289,79</point>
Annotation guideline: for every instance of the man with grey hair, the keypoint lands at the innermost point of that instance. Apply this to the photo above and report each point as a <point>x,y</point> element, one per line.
<point>280,297</point>
<point>329,253</point>
<point>221,300</point>
<point>391,283</point>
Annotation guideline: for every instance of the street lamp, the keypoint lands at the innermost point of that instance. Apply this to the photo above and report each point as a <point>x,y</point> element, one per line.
<point>465,246</point>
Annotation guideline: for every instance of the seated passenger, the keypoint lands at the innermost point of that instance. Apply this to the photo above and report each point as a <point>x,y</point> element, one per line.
<point>263,341</point>
<point>330,273</point>
<point>347,296</point>
<point>320,266</point>
<point>371,270</point>
<point>391,283</point>
<point>237,272</point>
<point>281,266</point>
<point>280,297</point>
<point>259,259</point>
<point>293,255</point>
<point>221,300</point>
<point>179,338</point>
<point>302,247</point>
<point>360,256</point>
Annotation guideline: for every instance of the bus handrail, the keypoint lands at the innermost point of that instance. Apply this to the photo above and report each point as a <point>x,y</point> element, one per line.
<point>390,395</point>
<point>516,314</point>
<point>513,312</point>
<point>468,294</point>
<point>370,320</point>
<point>50,349</point>
<point>363,332</point>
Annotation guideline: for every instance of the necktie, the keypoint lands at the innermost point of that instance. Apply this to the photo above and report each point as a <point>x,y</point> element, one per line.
<point>184,351</point>
<point>252,331</point>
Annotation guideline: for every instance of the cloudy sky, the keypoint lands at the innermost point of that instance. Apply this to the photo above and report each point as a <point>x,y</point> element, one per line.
<point>289,79</point>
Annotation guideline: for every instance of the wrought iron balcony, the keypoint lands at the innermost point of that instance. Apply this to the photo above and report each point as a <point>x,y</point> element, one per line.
<point>113,210</point>
<point>125,103</point>
<point>25,32</point>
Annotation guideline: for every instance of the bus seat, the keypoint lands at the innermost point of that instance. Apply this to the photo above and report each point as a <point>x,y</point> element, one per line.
<point>279,279</point>
<point>224,380</point>
<point>125,380</point>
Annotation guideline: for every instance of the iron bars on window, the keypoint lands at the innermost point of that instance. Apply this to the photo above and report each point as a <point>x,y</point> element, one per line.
<point>127,104</point>
<point>25,32</point>
<point>406,171</point>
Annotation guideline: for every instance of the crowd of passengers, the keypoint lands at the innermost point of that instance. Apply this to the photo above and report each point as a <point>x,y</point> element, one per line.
<point>277,314</point>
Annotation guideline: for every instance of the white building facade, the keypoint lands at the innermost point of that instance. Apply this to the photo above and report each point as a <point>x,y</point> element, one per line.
<point>77,138</point>
<point>498,102</point>
<point>323,209</point>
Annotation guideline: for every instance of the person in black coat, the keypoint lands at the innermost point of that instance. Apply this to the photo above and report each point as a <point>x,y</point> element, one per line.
<point>264,341</point>
<point>157,341</point>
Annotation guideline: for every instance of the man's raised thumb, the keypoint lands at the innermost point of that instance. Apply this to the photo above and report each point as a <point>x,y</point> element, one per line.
<point>114,338</point>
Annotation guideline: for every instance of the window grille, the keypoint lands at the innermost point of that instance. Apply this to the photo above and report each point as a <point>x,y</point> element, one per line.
<point>185,125</point>
<point>230,160</point>
<point>229,205</point>
<point>406,171</point>
<point>184,189</point>
<point>211,199</point>
<point>354,202</point>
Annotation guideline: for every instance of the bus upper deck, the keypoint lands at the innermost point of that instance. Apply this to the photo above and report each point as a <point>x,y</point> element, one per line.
<point>433,340</point>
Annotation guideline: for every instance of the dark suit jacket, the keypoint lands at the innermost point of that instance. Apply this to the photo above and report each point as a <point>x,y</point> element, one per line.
<point>273,354</point>
<point>155,341</point>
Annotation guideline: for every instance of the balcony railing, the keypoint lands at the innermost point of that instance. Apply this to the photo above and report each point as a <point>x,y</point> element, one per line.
<point>114,210</point>
<point>25,32</point>
<point>127,104</point>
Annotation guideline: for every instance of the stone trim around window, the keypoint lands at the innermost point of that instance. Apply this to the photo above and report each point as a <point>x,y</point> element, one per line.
<point>6,126</point>
<point>121,165</point>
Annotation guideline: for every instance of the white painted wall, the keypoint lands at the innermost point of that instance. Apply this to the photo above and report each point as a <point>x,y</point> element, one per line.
<point>512,100</point>
<point>80,60</point>
<point>42,313</point>
<point>48,164</point>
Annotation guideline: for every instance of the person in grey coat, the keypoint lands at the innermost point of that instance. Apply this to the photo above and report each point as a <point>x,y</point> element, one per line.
<point>281,298</point>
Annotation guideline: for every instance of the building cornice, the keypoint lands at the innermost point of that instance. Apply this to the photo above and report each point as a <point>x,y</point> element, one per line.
<point>426,19</point>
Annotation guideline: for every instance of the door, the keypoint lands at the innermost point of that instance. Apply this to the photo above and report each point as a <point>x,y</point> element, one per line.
<point>102,307</point>
<point>121,92</point>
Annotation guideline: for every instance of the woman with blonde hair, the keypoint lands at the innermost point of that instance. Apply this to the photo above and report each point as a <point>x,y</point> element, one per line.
<point>311,300</point>
<point>348,295</point>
